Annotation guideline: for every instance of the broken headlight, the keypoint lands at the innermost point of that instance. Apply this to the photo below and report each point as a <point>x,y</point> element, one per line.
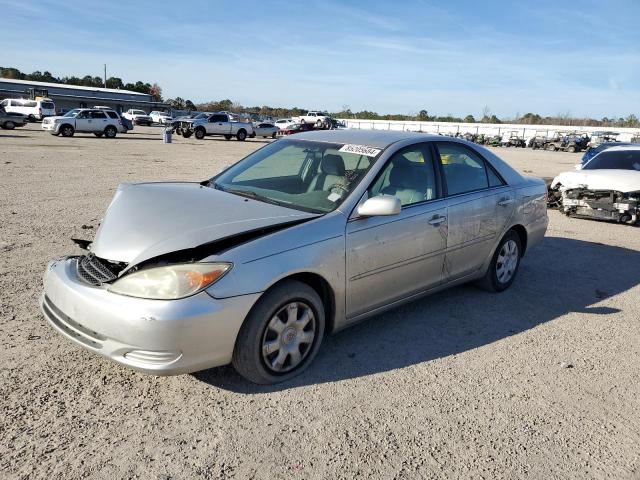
<point>170,282</point>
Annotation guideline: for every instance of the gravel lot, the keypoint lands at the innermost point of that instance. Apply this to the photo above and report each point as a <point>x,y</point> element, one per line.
<point>542,381</point>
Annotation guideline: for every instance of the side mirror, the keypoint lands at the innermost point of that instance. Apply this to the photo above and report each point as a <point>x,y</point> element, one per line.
<point>380,205</point>
<point>578,166</point>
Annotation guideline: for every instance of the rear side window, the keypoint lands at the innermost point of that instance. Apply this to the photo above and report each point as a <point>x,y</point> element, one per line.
<point>464,171</point>
<point>112,115</point>
<point>98,114</point>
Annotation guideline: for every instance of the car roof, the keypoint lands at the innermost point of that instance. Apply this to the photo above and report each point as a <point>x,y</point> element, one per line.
<point>371,138</point>
<point>624,148</point>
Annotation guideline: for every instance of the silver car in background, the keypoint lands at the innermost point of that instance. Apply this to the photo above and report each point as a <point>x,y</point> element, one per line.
<point>308,235</point>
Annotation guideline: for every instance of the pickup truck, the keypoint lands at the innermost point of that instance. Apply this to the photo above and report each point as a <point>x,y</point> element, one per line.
<point>318,119</point>
<point>138,117</point>
<point>215,124</point>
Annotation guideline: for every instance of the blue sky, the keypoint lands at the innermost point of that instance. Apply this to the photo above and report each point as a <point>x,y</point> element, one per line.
<point>455,57</point>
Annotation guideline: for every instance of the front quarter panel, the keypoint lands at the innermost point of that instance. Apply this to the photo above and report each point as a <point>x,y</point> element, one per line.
<point>316,247</point>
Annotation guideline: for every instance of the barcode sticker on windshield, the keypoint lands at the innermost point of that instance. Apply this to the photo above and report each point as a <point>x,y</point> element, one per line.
<point>360,150</point>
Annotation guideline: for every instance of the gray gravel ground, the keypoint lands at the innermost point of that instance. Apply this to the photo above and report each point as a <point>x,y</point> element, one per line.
<point>541,381</point>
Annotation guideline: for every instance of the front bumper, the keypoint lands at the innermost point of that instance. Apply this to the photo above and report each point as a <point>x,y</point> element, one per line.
<point>50,127</point>
<point>161,337</point>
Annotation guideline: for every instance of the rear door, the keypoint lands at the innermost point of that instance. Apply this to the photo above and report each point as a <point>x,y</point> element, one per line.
<point>479,203</point>
<point>392,257</point>
<point>98,120</point>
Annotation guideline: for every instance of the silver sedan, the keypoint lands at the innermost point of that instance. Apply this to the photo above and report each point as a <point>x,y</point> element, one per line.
<point>306,236</point>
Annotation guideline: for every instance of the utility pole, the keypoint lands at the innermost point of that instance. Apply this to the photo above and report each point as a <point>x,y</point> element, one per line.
<point>105,75</point>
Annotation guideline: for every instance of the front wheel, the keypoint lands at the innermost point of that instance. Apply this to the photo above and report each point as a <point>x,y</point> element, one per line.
<point>8,125</point>
<point>186,133</point>
<point>200,133</point>
<point>241,135</point>
<point>281,335</point>
<point>504,264</point>
<point>67,131</point>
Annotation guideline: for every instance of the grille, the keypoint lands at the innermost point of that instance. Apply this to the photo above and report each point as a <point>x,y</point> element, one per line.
<point>95,271</point>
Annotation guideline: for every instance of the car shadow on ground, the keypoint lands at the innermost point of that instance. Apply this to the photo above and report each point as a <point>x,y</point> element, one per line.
<point>4,135</point>
<point>559,276</point>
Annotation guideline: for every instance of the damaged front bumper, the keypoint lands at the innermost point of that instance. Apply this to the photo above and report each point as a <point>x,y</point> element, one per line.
<point>599,204</point>
<point>161,337</point>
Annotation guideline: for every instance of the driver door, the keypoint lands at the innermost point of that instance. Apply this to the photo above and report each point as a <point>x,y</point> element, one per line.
<point>84,122</point>
<point>389,258</point>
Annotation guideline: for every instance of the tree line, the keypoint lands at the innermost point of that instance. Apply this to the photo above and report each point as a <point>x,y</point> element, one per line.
<point>631,121</point>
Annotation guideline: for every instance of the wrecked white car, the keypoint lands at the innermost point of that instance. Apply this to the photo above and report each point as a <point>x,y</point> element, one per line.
<point>605,188</point>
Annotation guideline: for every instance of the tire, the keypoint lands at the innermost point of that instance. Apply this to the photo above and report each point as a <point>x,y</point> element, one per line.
<point>66,130</point>
<point>9,125</point>
<point>227,137</point>
<point>200,133</point>
<point>550,148</point>
<point>264,356</point>
<point>110,132</point>
<point>31,118</point>
<point>273,135</point>
<point>319,124</point>
<point>98,134</point>
<point>178,131</point>
<point>571,149</point>
<point>241,135</point>
<point>187,133</point>
<point>500,274</point>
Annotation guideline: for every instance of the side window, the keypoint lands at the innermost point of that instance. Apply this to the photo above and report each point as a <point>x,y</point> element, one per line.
<point>4,103</point>
<point>98,115</point>
<point>464,171</point>
<point>409,175</point>
<point>113,115</point>
<point>84,114</point>
<point>494,179</point>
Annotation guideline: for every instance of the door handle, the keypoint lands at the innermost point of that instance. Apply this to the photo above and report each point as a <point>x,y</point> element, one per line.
<point>437,220</point>
<point>505,202</point>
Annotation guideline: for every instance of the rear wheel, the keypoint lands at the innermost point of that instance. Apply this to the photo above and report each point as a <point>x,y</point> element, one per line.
<point>571,149</point>
<point>241,135</point>
<point>110,132</point>
<point>504,264</point>
<point>273,135</point>
<point>186,133</point>
<point>67,131</point>
<point>281,335</point>
<point>31,118</point>
<point>200,133</point>
<point>551,148</point>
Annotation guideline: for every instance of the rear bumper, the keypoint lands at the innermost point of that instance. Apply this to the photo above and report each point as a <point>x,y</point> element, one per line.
<point>153,336</point>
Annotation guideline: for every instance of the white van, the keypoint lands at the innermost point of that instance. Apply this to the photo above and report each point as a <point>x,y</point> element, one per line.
<point>33,109</point>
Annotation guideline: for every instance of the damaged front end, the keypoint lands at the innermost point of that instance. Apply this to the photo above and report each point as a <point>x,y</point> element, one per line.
<point>608,205</point>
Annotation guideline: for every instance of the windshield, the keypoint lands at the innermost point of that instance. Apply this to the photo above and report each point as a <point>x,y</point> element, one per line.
<point>72,113</point>
<point>309,176</point>
<point>618,160</point>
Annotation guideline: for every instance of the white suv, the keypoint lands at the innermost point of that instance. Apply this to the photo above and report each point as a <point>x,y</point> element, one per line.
<point>84,120</point>
<point>32,109</point>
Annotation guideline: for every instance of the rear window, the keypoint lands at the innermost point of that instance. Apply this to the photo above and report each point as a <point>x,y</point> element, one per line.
<point>47,105</point>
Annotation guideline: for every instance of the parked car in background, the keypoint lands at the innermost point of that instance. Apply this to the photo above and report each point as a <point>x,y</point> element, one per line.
<point>607,187</point>
<point>283,123</point>
<point>306,236</point>
<point>221,124</point>
<point>11,120</point>
<point>163,118</point>
<point>592,152</point>
<point>265,130</point>
<point>33,109</point>
<point>138,117</point>
<point>513,140</point>
<point>84,120</point>
<point>567,142</point>
<point>318,119</point>
<point>296,128</point>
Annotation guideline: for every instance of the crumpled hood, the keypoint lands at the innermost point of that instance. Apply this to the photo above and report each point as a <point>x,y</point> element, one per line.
<point>145,220</point>
<point>619,180</point>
